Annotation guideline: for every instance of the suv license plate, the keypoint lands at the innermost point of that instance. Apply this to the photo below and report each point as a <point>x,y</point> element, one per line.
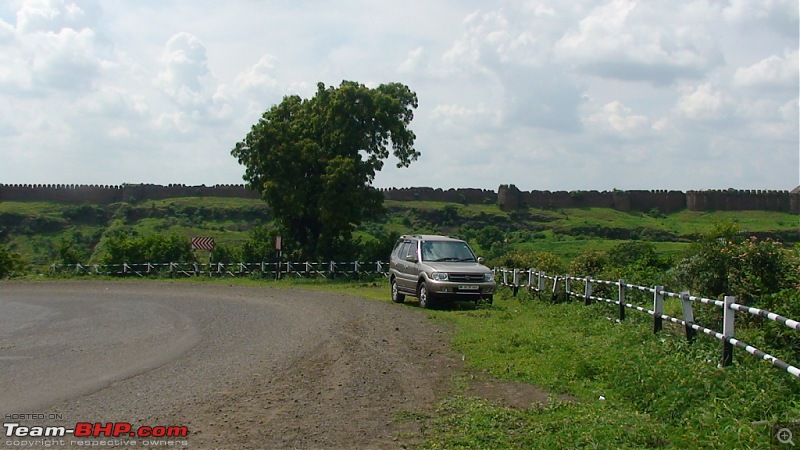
<point>468,287</point>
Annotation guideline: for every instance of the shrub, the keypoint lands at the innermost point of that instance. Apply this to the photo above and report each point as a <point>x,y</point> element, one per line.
<point>155,248</point>
<point>225,254</point>
<point>11,264</point>
<point>527,259</point>
<point>261,245</point>
<point>488,236</point>
<point>590,263</point>
<point>725,263</point>
<point>776,335</point>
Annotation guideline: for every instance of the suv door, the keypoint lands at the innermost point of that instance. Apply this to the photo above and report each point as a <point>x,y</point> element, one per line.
<point>406,277</point>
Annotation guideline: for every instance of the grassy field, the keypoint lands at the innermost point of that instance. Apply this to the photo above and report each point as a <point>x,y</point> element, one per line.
<point>35,229</point>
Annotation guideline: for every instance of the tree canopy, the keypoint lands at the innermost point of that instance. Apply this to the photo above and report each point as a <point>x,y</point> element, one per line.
<point>314,160</point>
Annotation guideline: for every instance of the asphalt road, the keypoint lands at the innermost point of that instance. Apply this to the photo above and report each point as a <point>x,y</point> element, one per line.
<point>241,367</point>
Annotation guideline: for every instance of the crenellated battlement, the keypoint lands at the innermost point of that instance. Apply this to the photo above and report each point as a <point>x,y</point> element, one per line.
<point>105,194</point>
<point>508,196</point>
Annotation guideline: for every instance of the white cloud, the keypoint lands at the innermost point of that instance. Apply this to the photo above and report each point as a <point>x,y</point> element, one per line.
<point>705,103</point>
<point>66,60</point>
<point>779,16</point>
<point>629,40</point>
<point>774,72</point>
<point>115,102</point>
<point>185,67</point>
<point>415,61</point>
<point>6,32</point>
<point>55,15</point>
<point>619,121</point>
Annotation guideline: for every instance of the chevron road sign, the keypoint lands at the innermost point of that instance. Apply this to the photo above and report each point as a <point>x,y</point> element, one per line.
<point>203,243</point>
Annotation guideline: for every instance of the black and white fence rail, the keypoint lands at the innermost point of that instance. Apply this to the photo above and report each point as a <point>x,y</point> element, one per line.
<point>285,269</point>
<point>584,288</point>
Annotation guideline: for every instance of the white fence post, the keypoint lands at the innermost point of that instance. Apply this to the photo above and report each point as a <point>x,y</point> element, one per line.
<point>554,295</point>
<point>587,292</point>
<point>516,281</point>
<point>688,316</point>
<point>728,317</point>
<point>658,309</point>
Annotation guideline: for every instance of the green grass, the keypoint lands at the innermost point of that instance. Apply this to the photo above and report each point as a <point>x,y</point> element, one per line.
<point>208,202</point>
<point>565,232</point>
<point>660,392</point>
<point>471,209</point>
<point>223,232</point>
<point>569,249</point>
<point>34,208</point>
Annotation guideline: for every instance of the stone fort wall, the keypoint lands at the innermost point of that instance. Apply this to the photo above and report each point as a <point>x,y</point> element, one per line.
<point>508,196</point>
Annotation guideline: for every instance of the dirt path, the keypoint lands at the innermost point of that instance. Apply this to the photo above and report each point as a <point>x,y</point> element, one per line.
<point>345,391</point>
<point>271,368</point>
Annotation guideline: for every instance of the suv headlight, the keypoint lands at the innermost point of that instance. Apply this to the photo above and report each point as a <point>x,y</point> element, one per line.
<point>439,276</point>
<point>488,277</point>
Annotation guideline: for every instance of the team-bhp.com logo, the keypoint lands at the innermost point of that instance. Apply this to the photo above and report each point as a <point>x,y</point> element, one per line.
<point>86,429</point>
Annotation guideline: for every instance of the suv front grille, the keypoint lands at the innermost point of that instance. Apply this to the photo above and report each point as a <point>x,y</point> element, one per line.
<point>466,277</point>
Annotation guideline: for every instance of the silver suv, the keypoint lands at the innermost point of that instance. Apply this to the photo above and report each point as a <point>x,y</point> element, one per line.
<point>438,267</point>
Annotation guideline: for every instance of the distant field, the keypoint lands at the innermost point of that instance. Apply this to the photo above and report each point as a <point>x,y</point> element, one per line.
<point>35,229</point>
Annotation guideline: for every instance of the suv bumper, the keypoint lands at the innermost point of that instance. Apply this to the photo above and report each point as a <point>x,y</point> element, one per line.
<point>458,290</point>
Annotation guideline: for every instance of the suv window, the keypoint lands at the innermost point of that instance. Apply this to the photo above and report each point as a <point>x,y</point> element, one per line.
<point>411,249</point>
<point>403,249</point>
<point>396,251</point>
<point>446,251</point>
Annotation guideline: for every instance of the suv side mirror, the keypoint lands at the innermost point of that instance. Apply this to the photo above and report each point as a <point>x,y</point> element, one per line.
<point>411,258</point>
<point>480,259</point>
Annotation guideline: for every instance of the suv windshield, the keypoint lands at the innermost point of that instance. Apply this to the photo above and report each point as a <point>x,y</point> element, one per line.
<point>437,251</point>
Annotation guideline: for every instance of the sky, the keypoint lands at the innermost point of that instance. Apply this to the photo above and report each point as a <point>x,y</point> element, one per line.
<point>543,94</point>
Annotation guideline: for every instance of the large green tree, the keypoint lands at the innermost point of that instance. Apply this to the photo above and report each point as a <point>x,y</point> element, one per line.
<point>314,160</point>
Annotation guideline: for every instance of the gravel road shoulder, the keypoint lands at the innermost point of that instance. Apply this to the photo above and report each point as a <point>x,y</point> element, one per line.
<point>347,390</point>
<point>271,368</point>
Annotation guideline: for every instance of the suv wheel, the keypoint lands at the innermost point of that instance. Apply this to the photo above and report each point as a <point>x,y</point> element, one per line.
<point>425,297</point>
<point>397,297</point>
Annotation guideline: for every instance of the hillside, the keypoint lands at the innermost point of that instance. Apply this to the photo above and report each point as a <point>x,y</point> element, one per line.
<point>35,229</point>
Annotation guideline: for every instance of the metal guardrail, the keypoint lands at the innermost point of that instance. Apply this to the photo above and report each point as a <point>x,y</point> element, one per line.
<point>535,280</point>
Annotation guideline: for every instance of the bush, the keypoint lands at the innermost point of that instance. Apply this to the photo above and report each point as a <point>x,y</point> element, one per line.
<point>488,236</point>
<point>71,253</point>
<point>725,263</point>
<point>522,259</point>
<point>11,264</point>
<point>377,247</point>
<point>635,261</point>
<point>225,254</point>
<point>261,245</point>
<point>589,263</point>
<point>155,248</point>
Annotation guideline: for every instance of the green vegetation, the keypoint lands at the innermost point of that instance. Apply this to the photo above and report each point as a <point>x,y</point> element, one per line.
<point>632,389</point>
<point>11,263</point>
<point>314,161</point>
<point>38,230</point>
